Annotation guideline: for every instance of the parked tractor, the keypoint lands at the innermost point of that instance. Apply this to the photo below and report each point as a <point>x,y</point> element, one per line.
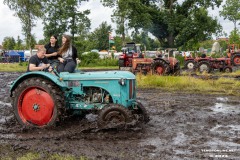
<point>207,65</point>
<point>41,99</point>
<point>133,60</point>
<point>234,54</point>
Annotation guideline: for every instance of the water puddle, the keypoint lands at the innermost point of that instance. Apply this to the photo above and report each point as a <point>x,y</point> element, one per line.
<point>223,106</point>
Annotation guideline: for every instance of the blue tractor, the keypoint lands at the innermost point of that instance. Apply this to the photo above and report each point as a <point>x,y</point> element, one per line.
<point>42,99</point>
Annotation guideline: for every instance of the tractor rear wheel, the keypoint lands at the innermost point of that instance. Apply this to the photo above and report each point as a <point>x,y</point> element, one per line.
<point>236,60</point>
<point>204,66</point>
<point>114,116</point>
<point>160,67</point>
<point>189,64</point>
<point>37,103</point>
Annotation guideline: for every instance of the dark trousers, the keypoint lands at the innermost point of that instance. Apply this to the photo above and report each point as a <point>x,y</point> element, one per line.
<point>67,66</point>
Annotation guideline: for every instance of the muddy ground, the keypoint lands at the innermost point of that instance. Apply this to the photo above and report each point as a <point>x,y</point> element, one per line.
<point>182,126</point>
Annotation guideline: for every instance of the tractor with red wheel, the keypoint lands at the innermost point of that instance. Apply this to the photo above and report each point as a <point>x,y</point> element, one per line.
<point>130,51</point>
<point>234,54</point>
<point>133,60</point>
<point>41,99</point>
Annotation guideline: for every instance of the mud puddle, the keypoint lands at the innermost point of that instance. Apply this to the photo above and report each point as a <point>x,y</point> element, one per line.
<point>182,126</point>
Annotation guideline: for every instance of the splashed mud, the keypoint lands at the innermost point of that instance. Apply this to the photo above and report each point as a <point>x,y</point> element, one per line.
<point>182,126</point>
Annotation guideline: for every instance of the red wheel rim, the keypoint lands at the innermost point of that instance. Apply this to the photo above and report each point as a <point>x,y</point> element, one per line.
<point>35,106</point>
<point>159,70</point>
<point>237,60</point>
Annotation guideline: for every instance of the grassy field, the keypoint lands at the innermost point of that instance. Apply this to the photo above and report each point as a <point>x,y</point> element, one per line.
<point>225,86</point>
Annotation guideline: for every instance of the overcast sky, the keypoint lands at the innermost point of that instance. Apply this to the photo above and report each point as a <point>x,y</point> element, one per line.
<point>10,25</point>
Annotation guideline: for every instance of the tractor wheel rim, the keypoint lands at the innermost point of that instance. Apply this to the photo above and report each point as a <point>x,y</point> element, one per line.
<point>35,106</point>
<point>115,117</point>
<point>159,70</point>
<point>190,65</point>
<point>203,67</point>
<point>237,60</point>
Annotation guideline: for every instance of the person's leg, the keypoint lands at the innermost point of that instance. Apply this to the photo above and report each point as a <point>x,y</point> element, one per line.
<point>60,67</point>
<point>70,67</point>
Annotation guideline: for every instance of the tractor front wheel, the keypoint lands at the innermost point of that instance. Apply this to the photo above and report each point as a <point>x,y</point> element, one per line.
<point>227,69</point>
<point>141,113</point>
<point>37,103</point>
<point>114,116</point>
<point>121,63</point>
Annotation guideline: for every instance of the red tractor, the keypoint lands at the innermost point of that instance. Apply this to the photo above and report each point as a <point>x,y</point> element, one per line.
<point>207,65</point>
<point>130,51</point>
<point>133,60</point>
<point>234,54</point>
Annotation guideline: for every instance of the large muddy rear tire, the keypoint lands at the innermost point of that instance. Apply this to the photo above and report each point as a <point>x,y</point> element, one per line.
<point>37,102</point>
<point>160,67</point>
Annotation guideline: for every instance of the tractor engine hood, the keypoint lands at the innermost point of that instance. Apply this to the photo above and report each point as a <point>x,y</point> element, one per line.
<point>100,75</point>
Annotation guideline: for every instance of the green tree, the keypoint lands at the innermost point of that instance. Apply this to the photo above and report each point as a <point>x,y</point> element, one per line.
<point>19,45</point>
<point>63,16</point>
<point>231,11</point>
<point>174,23</point>
<point>120,16</point>
<point>27,11</point>
<point>234,37</point>
<point>99,37</point>
<point>9,43</point>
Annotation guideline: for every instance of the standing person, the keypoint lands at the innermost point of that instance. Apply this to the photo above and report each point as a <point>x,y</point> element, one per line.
<point>38,62</point>
<point>51,51</point>
<point>68,55</point>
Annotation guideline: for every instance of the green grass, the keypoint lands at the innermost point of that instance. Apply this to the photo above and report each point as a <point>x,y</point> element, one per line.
<point>190,84</point>
<point>22,67</point>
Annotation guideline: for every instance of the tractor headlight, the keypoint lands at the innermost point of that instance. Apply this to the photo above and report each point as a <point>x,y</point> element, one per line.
<point>122,81</point>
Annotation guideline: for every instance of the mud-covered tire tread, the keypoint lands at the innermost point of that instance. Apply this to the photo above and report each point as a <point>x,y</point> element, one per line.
<point>176,71</point>
<point>160,62</point>
<point>113,107</point>
<point>233,57</point>
<point>51,88</point>
<point>142,111</point>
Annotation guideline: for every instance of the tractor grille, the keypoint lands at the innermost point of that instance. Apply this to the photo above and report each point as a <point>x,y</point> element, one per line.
<point>131,89</point>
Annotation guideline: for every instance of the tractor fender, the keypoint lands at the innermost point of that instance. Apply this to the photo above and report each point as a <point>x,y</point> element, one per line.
<point>46,75</point>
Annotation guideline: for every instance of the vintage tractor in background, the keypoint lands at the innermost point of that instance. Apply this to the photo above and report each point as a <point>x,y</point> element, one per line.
<point>209,64</point>
<point>130,51</point>
<point>41,99</point>
<point>234,54</point>
<point>133,60</point>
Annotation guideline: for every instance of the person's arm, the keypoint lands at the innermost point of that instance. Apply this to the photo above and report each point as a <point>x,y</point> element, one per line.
<point>51,54</point>
<point>33,67</point>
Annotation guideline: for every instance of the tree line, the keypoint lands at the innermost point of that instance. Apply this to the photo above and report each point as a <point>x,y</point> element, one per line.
<point>175,23</point>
